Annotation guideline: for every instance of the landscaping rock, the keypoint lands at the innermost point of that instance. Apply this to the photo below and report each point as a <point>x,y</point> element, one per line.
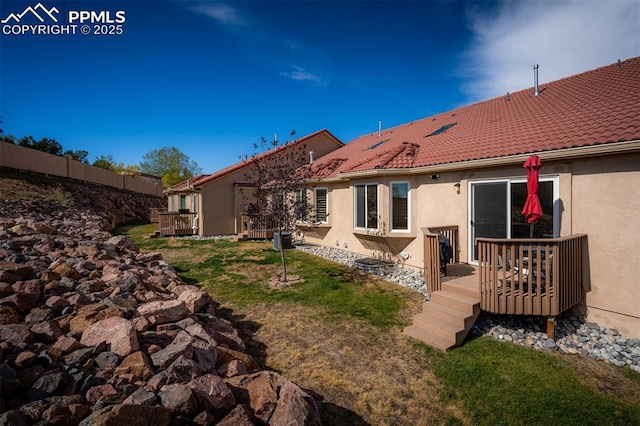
<point>118,332</point>
<point>295,407</point>
<point>93,332</point>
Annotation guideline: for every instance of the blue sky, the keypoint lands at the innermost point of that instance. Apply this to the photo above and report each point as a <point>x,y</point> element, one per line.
<point>211,78</point>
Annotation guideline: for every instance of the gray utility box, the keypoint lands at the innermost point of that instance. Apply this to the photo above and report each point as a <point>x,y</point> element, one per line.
<point>282,239</point>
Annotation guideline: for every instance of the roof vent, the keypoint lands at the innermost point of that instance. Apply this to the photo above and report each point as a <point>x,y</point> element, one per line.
<point>536,90</point>
<point>508,98</point>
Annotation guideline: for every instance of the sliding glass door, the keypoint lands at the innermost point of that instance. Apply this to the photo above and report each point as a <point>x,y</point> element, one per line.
<point>496,211</point>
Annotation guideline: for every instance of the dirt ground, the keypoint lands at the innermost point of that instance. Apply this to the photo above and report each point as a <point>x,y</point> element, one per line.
<point>359,377</point>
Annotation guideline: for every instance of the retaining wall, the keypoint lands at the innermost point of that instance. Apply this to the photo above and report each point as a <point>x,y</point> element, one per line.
<point>23,158</point>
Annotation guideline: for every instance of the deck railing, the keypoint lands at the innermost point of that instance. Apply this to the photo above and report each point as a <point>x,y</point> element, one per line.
<point>176,223</point>
<point>531,276</point>
<point>153,213</point>
<point>258,227</point>
<point>432,254</point>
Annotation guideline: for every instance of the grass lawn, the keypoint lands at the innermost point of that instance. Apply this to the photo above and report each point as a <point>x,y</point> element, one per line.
<point>338,335</point>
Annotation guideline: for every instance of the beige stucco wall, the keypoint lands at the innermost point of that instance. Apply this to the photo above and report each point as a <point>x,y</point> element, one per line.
<point>598,196</point>
<point>222,203</point>
<point>218,205</point>
<point>606,207</point>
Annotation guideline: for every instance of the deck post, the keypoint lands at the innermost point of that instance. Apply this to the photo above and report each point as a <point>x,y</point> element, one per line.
<point>551,327</point>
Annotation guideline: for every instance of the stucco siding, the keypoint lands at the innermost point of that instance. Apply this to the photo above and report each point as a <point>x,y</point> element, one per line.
<point>218,200</point>
<point>606,202</point>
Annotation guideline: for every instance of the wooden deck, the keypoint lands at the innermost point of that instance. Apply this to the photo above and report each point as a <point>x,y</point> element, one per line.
<point>171,224</point>
<point>542,277</point>
<point>532,276</point>
<point>257,227</point>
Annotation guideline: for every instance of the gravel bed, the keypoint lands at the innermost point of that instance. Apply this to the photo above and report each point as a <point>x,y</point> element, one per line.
<point>200,237</point>
<point>573,335</point>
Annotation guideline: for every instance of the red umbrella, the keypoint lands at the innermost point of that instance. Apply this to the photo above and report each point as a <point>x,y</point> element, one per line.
<point>532,209</point>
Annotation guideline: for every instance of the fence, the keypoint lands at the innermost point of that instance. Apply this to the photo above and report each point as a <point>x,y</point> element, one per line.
<point>23,158</point>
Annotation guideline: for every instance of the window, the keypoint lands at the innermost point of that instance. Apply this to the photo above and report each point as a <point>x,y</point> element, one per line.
<point>496,210</point>
<point>367,206</point>
<point>183,202</point>
<point>301,205</point>
<point>400,206</point>
<point>321,205</point>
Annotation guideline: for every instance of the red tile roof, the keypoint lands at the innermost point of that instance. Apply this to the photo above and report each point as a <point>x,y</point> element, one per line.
<point>202,179</point>
<point>600,106</point>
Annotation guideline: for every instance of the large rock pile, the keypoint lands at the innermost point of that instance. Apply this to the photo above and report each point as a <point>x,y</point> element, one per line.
<point>94,332</point>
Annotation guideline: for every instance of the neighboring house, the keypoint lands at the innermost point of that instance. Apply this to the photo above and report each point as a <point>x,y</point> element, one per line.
<point>387,194</point>
<point>216,201</point>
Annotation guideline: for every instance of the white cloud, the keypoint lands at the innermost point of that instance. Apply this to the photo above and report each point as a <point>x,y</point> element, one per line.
<point>564,38</point>
<point>223,13</point>
<point>300,74</point>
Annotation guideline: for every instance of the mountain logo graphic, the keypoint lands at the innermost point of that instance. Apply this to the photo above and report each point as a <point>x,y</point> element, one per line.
<point>38,11</point>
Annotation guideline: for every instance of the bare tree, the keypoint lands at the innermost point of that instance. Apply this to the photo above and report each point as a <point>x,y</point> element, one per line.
<point>277,171</point>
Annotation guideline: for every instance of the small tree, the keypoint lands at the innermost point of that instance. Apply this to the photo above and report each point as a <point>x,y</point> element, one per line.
<point>105,162</point>
<point>170,164</point>
<point>78,155</point>
<point>276,175</point>
<point>50,146</point>
<point>8,139</point>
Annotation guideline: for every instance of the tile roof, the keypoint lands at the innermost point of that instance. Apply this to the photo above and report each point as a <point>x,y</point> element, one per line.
<point>596,107</point>
<point>202,179</point>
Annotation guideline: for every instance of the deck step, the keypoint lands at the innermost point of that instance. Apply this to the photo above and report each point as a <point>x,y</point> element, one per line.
<point>429,338</point>
<point>461,303</point>
<point>462,288</point>
<point>444,313</point>
<point>437,326</point>
<point>447,318</point>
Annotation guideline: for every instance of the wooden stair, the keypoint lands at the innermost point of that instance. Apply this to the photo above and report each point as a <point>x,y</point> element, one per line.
<point>448,317</point>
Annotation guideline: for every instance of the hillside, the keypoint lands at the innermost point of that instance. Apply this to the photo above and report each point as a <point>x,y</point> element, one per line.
<point>46,192</point>
<point>94,332</point>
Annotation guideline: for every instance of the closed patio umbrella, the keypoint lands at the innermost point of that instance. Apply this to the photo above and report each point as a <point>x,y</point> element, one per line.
<point>532,209</point>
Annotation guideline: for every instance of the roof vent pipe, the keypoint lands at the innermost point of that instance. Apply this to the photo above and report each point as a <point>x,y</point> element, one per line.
<point>379,128</point>
<point>536,90</point>
<point>311,157</point>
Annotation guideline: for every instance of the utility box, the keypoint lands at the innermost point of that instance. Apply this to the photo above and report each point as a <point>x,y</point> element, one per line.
<point>282,239</point>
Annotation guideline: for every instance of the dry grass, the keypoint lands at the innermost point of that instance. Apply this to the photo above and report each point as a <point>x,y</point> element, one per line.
<point>349,366</point>
<point>366,374</point>
<point>17,189</point>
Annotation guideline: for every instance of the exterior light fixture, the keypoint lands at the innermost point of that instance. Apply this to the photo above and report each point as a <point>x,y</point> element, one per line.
<point>457,187</point>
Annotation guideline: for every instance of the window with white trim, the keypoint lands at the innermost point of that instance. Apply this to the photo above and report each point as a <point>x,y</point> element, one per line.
<point>321,205</point>
<point>400,206</point>
<point>366,200</point>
